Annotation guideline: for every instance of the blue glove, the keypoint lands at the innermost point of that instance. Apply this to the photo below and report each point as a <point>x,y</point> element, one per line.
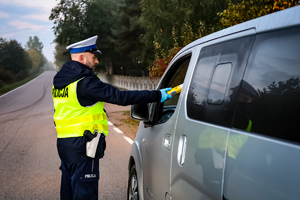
<point>165,95</point>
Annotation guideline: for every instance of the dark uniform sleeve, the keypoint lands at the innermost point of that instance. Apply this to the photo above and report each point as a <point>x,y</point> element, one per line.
<point>91,90</point>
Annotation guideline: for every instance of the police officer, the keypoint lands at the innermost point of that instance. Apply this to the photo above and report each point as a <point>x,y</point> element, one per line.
<point>78,97</point>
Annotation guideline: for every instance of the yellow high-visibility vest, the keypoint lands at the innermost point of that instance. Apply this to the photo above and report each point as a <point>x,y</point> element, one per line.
<point>71,119</point>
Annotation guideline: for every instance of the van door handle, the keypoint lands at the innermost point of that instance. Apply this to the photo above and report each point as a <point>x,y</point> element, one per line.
<point>181,150</point>
<point>167,141</point>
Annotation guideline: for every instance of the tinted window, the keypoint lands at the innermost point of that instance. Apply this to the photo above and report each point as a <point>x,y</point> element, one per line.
<point>219,69</point>
<point>274,72</point>
<point>219,82</point>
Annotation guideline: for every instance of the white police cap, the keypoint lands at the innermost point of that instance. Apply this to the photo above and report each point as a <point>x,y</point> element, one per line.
<point>87,45</point>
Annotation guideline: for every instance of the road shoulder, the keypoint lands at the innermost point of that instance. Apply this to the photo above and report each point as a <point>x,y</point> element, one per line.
<point>119,116</point>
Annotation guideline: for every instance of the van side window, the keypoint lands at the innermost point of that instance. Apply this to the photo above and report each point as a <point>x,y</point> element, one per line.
<point>174,77</point>
<point>274,72</point>
<point>219,82</point>
<point>219,69</point>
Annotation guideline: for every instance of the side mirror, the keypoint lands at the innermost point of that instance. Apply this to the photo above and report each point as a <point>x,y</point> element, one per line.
<point>140,112</point>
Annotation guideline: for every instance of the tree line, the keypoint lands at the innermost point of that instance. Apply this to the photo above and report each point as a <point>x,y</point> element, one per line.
<point>18,63</point>
<point>140,37</point>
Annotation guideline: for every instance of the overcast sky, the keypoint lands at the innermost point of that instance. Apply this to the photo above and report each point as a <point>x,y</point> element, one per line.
<point>21,19</point>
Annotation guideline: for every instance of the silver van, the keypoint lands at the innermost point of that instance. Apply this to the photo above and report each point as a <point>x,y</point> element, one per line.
<point>233,133</point>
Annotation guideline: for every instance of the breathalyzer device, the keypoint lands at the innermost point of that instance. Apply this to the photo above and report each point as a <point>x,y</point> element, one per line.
<point>175,90</point>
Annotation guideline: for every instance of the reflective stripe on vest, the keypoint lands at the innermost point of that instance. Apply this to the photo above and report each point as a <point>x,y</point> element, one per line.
<point>71,119</point>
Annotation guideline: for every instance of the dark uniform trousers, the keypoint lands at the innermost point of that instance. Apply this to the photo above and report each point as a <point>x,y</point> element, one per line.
<point>79,180</point>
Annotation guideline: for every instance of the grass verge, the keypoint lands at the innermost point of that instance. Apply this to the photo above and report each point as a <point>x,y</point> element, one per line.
<point>10,87</point>
<point>129,120</point>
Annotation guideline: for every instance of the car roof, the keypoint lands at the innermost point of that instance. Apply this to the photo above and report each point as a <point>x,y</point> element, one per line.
<point>280,19</point>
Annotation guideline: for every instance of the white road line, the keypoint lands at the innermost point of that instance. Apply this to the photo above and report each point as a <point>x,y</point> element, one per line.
<point>128,139</point>
<point>117,130</point>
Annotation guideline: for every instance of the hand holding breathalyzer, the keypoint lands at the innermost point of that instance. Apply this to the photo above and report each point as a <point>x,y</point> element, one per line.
<point>165,95</point>
<point>175,90</point>
<point>168,92</point>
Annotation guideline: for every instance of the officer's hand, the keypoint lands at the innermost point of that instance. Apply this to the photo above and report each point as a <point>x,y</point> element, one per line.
<point>165,95</point>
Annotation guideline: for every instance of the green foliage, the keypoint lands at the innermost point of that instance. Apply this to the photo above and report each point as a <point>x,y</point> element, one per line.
<point>127,28</point>
<point>129,120</point>
<point>128,31</point>
<point>14,58</point>
<point>99,21</point>
<point>174,24</point>
<point>17,64</point>
<point>61,55</point>
<point>37,60</point>
<point>34,49</point>
<point>126,38</point>
<point>161,18</point>
<point>6,77</point>
<point>34,43</point>
<point>69,18</point>
<point>76,20</point>
<point>250,9</point>
<point>163,58</point>
<point>102,21</point>
<point>134,34</point>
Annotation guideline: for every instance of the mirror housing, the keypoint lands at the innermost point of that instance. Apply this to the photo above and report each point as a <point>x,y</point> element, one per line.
<point>140,112</point>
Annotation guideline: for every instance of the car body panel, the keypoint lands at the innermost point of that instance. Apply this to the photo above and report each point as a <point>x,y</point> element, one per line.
<point>264,168</point>
<point>184,158</point>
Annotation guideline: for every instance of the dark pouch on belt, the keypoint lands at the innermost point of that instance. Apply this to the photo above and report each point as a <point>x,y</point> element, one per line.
<point>88,135</point>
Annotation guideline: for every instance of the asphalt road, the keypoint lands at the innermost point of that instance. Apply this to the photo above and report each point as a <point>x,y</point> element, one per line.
<point>28,157</point>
